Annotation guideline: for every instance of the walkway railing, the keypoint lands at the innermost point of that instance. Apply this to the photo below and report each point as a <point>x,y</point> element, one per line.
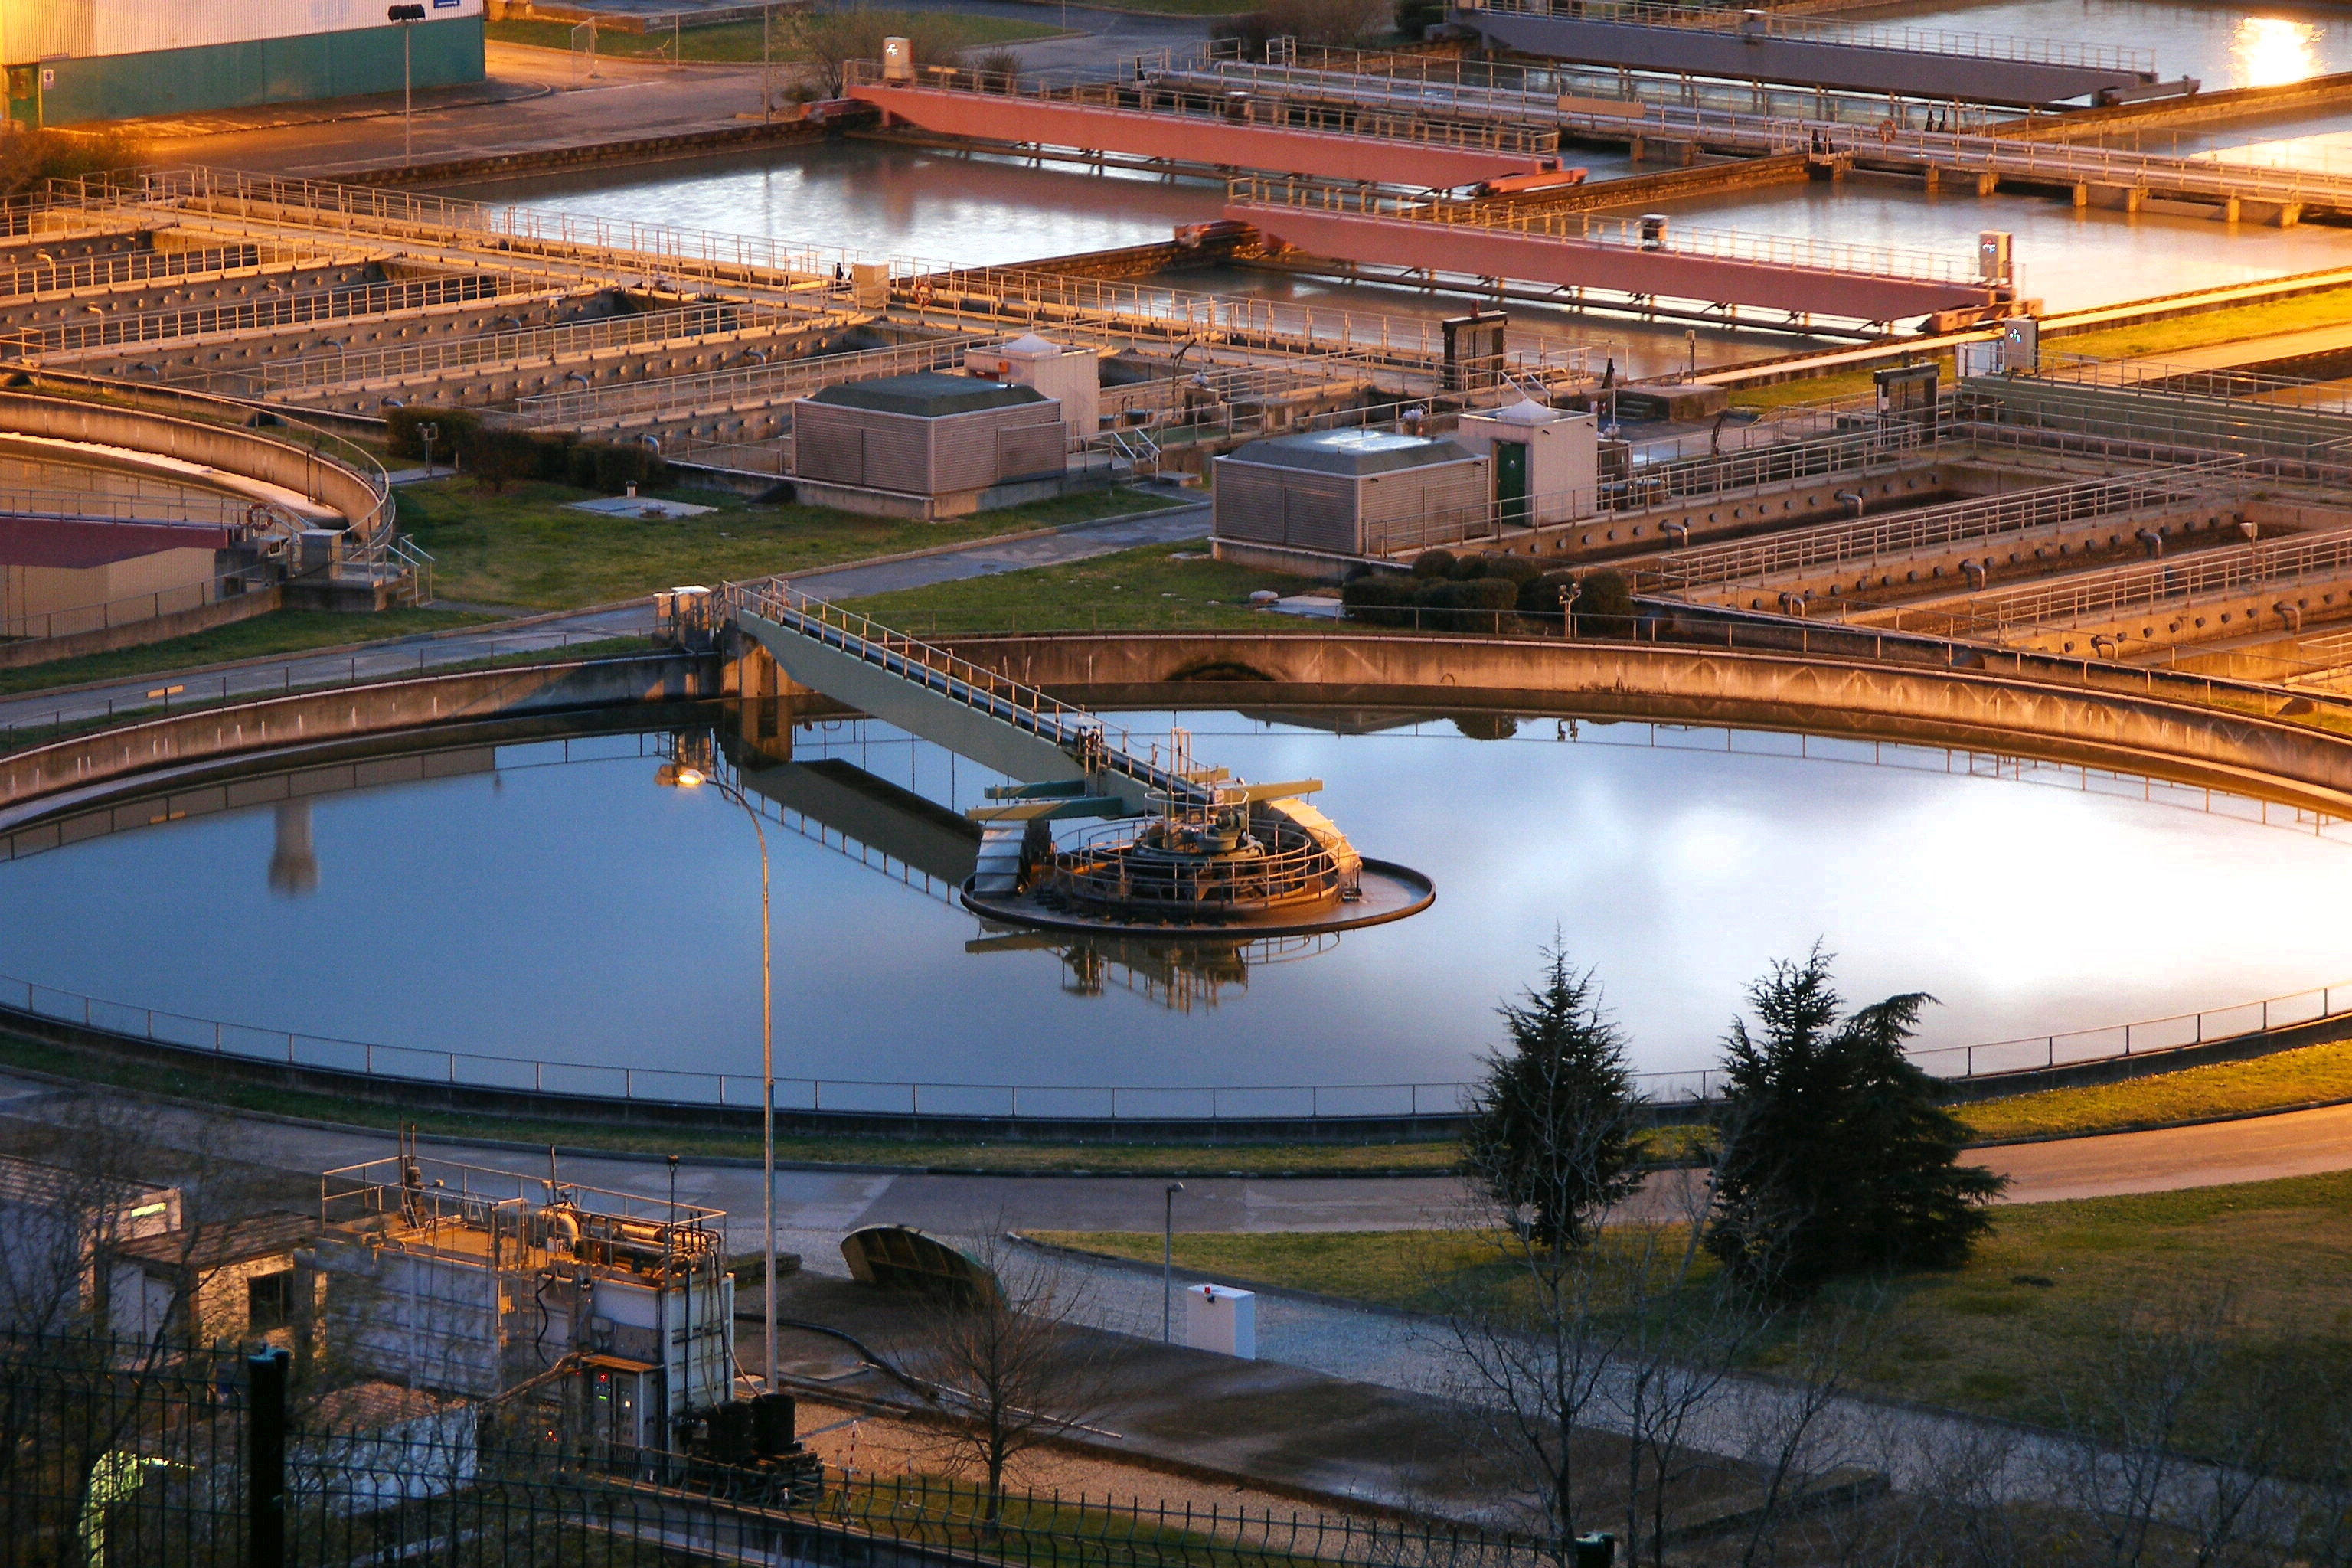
<point>1594,229</point>
<point>146,266</point>
<point>332,304</point>
<point>1083,734</point>
<point>1402,124</point>
<point>1116,1102</point>
<point>1766,24</point>
<point>1485,87</point>
<point>769,384</point>
<point>562,341</point>
<point>1833,544</point>
<point>2103,596</point>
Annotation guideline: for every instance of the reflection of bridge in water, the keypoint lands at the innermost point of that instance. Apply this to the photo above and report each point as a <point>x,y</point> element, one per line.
<point>905,835</point>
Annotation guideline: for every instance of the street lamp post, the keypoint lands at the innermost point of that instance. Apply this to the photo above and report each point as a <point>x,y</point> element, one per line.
<point>1168,1267</point>
<point>679,775</point>
<point>405,18</point>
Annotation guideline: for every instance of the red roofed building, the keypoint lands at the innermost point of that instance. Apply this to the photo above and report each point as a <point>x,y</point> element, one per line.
<point>60,575</point>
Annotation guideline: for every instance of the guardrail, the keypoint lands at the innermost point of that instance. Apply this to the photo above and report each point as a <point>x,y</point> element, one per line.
<point>146,266</point>
<point>2324,557</point>
<point>2155,378</point>
<point>173,693</point>
<point>1769,24</point>
<point>562,341</point>
<point>779,382</point>
<point>2013,511</point>
<point>1586,227</point>
<point>1536,92</point>
<point>1115,1102</point>
<point>1404,123</point>
<point>252,315</point>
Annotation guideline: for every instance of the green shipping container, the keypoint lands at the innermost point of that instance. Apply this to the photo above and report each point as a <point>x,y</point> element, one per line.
<point>238,76</point>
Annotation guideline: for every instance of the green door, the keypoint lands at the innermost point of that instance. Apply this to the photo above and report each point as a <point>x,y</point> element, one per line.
<point>1510,481</point>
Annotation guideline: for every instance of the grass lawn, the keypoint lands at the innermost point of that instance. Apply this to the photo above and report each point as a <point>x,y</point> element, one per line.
<point>1142,590</point>
<point>528,547</point>
<point>738,43</point>
<point>1142,1159</point>
<point>2265,1083</point>
<point>2026,1323</point>
<point>280,631</point>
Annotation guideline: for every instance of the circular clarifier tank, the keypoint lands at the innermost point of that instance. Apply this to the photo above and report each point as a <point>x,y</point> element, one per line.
<point>548,899</point>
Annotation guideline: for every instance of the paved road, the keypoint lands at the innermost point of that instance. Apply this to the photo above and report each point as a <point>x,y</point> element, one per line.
<point>2297,1144</point>
<point>1176,525</point>
<point>546,106</point>
<point>404,656</point>
<point>626,100</point>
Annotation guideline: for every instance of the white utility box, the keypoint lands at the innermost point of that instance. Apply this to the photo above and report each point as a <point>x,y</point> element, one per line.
<point>1221,1319</point>
<point>1544,464</point>
<point>1071,377</point>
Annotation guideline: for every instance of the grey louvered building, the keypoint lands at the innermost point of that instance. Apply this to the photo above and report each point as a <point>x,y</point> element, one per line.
<point>1340,490</point>
<point>928,434</point>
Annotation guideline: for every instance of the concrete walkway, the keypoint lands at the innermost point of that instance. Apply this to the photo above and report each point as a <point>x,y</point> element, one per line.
<point>397,657</point>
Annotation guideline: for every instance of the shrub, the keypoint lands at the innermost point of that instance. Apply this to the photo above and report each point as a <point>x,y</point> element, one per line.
<point>1433,563</point>
<point>1484,601</point>
<point>614,466</point>
<point>460,430</point>
<point>1607,600</point>
<point>1514,569</point>
<point>1487,726</point>
<point>1539,595</point>
<point>1345,24</point>
<point>1467,567</point>
<point>827,41</point>
<point>28,157</point>
<point>1415,17</point>
<point>499,458</point>
<point>1379,601</point>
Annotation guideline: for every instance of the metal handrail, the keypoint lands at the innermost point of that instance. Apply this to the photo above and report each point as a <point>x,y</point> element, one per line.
<point>1586,227</point>
<point>1159,98</point>
<point>1928,40</point>
<point>2142,585</point>
<point>1424,1098</point>
<point>782,380</point>
<point>1831,544</point>
<point>555,341</point>
<point>332,304</point>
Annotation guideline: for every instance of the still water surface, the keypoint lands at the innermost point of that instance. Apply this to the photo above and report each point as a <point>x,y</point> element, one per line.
<point>555,902</point>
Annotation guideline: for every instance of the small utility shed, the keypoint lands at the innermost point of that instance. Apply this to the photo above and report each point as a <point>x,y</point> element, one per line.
<point>62,576</point>
<point>928,434</point>
<point>1344,490</point>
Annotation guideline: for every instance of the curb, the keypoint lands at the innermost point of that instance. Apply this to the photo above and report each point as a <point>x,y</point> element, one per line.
<point>714,1161</point>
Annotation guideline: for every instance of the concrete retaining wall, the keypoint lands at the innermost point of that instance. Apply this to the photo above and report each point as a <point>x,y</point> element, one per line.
<point>138,634</point>
<point>48,779</point>
<point>216,445</point>
<point>2103,728</point>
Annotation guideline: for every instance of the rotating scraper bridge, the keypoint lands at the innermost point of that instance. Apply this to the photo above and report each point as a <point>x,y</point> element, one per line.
<point>1221,858</point>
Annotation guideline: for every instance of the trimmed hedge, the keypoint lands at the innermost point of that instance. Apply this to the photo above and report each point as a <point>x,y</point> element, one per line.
<point>1437,564</point>
<point>499,455</point>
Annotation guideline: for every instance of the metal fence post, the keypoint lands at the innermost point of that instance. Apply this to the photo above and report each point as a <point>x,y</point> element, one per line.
<point>265,1459</point>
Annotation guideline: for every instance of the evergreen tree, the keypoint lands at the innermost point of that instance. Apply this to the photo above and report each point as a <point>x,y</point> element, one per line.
<point>1551,1136</point>
<point>1836,1155</point>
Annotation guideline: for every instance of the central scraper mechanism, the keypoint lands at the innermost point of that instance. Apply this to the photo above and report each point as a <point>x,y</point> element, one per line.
<point>1210,853</point>
<point>1180,849</point>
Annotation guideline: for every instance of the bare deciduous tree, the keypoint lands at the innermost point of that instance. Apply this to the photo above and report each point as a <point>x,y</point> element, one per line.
<point>1010,1362</point>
